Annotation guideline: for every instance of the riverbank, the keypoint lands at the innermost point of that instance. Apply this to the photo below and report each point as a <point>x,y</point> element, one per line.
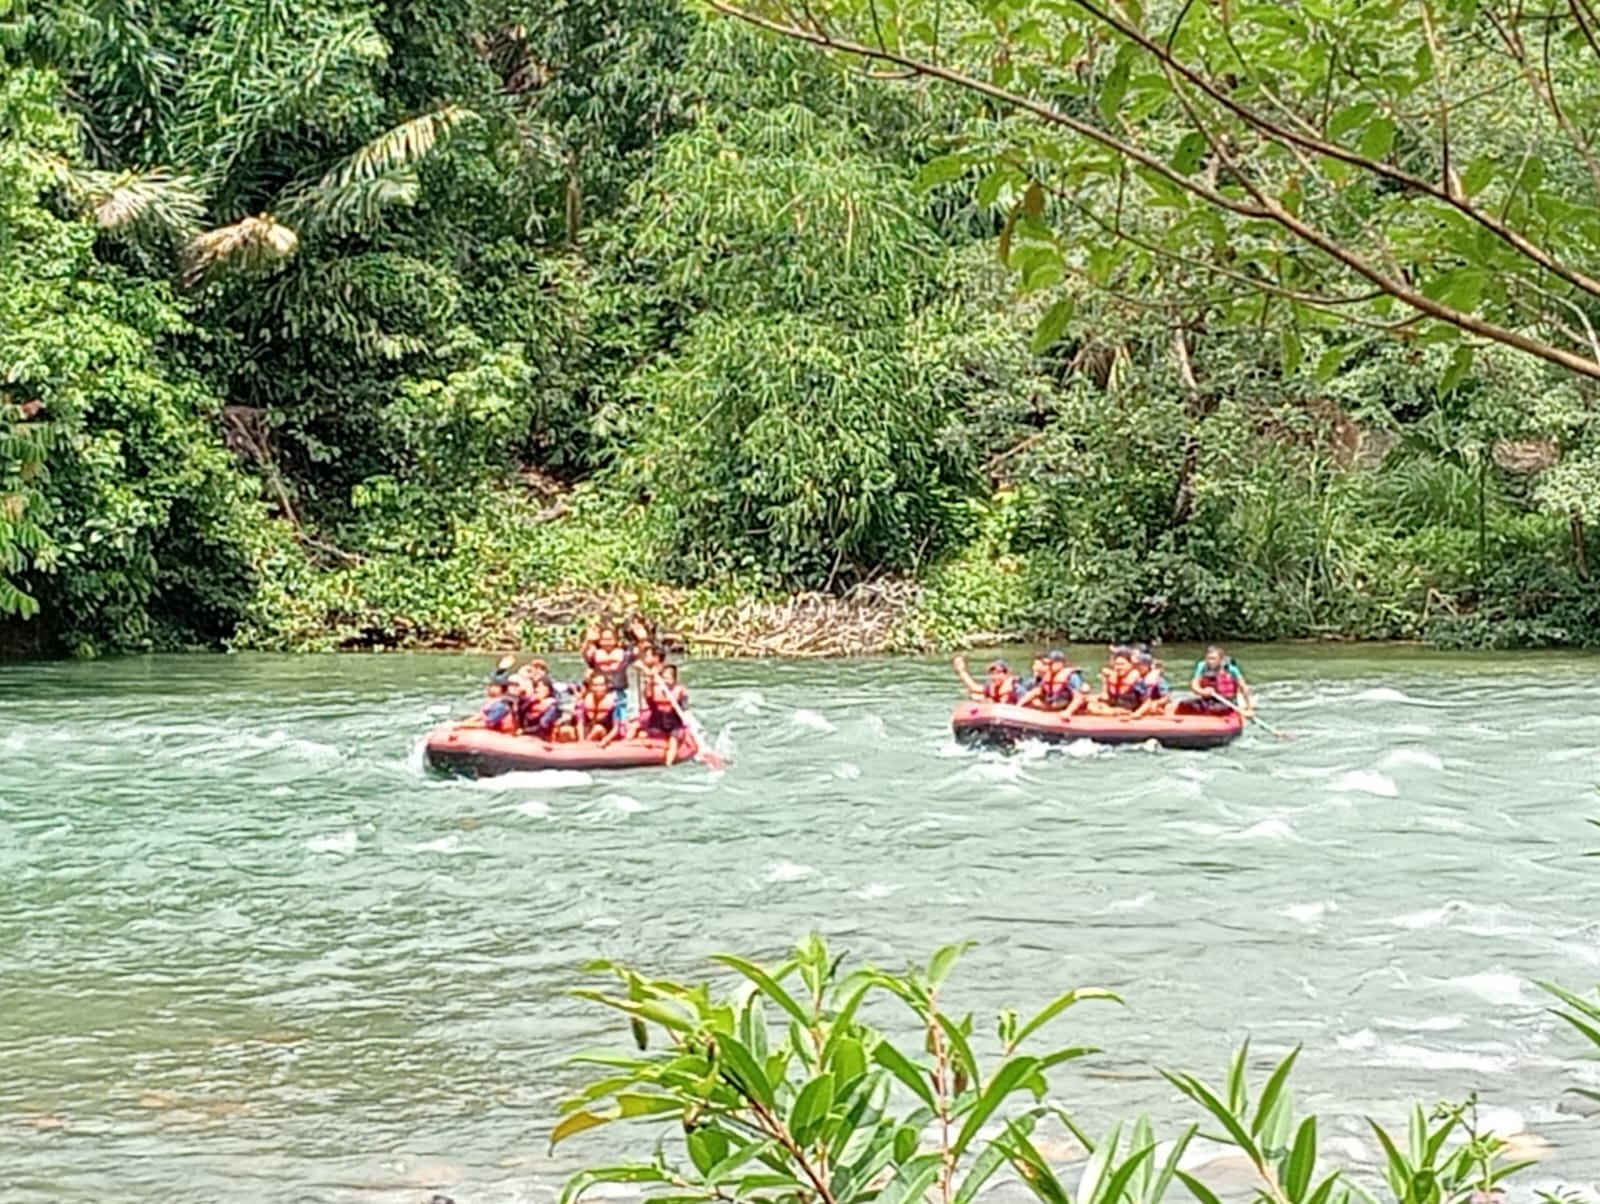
<point>522,571</point>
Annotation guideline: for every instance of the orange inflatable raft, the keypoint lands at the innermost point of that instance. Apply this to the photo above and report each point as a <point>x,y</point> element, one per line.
<point>479,753</point>
<point>998,724</point>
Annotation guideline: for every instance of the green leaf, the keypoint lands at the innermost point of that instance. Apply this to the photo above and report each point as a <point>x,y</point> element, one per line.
<point>746,1073</point>
<point>1459,288</point>
<point>707,1148</point>
<point>1203,1095</point>
<point>583,1181</point>
<point>1478,175</point>
<point>1330,361</point>
<point>846,1058</point>
<point>811,1108</point>
<point>1052,326</point>
<point>1006,1080</point>
<point>636,1104</point>
<point>1058,1005</point>
<point>990,1159</point>
<point>655,1010</point>
<point>1456,371</point>
<point>769,986</point>
<point>1350,118</point>
<point>897,1064</point>
<point>942,170</point>
<point>912,1180</point>
<point>1197,1189</point>
<point>1293,351</point>
<point>1271,1092</point>
<point>1113,90</point>
<point>960,1047</point>
<point>1037,1174</point>
<point>944,961</point>
<point>578,1122</point>
<point>1377,139</point>
<point>1117,1185</point>
<point>1302,1160</point>
<point>1190,152</point>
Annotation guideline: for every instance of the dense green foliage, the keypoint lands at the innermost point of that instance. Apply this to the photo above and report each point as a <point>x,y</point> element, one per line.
<point>377,322</point>
<point>783,1091</point>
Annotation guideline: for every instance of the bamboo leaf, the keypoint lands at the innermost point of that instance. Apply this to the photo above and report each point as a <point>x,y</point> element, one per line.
<point>769,986</point>
<point>911,1076</point>
<point>1006,1080</point>
<point>1271,1092</point>
<point>744,1071</point>
<point>1060,1004</point>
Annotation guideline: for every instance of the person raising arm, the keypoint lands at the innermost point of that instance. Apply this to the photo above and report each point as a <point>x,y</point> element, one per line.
<point>1002,686</point>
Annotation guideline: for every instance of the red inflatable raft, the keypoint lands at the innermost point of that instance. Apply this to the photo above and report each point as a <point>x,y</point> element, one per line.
<point>479,753</point>
<point>994,723</point>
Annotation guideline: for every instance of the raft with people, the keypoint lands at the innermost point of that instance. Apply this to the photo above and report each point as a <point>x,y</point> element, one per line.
<point>524,724</point>
<point>1132,705</point>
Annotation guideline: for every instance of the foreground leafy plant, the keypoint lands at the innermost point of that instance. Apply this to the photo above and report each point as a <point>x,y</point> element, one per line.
<point>784,1093</point>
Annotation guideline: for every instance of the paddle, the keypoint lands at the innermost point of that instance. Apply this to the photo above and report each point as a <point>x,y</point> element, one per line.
<point>1262,723</point>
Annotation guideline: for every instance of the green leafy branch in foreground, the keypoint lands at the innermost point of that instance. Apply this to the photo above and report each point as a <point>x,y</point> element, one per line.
<point>782,1092</point>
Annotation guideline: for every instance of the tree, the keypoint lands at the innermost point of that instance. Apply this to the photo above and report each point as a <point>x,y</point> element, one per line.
<point>1425,167</point>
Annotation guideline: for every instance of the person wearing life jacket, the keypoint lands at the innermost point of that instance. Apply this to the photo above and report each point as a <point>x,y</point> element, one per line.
<point>603,653</point>
<point>1002,685</point>
<point>1155,696</point>
<point>1061,687</point>
<point>596,710</point>
<point>1220,685</point>
<point>499,713</point>
<point>662,713</point>
<point>541,710</point>
<point>1119,684</point>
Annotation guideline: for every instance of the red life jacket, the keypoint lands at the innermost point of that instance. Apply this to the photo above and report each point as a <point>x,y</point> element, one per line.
<point>1122,689</point>
<point>1222,681</point>
<point>1005,690</point>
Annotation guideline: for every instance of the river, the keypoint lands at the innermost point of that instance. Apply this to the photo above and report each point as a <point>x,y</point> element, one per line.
<point>249,950</point>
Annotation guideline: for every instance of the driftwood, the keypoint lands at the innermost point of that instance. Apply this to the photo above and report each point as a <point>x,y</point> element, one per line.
<point>860,622</point>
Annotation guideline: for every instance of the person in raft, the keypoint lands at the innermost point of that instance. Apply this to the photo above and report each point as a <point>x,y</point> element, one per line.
<point>1060,687</point>
<point>1155,695</point>
<point>499,712</point>
<point>1219,684</point>
<point>596,713</point>
<point>661,713</point>
<point>1120,682</point>
<point>1002,684</point>
<point>540,711</point>
<point>604,654</point>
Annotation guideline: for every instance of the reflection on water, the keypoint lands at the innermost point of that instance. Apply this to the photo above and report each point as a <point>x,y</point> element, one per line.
<point>249,950</point>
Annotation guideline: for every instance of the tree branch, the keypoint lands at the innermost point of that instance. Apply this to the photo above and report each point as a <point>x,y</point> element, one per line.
<point>1264,206</point>
<point>1333,150</point>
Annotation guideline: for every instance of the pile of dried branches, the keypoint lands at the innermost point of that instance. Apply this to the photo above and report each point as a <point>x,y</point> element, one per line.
<point>860,622</point>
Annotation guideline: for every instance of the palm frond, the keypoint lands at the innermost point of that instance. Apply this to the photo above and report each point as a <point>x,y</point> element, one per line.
<point>401,146</point>
<point>253,244</point>
<point>373,178</point>
<point>121,202</point>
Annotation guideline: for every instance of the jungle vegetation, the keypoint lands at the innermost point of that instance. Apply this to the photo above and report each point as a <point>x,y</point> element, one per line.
<point>338,323</point>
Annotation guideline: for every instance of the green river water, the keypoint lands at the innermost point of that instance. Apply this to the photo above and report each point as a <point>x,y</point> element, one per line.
<point>250,950</point>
